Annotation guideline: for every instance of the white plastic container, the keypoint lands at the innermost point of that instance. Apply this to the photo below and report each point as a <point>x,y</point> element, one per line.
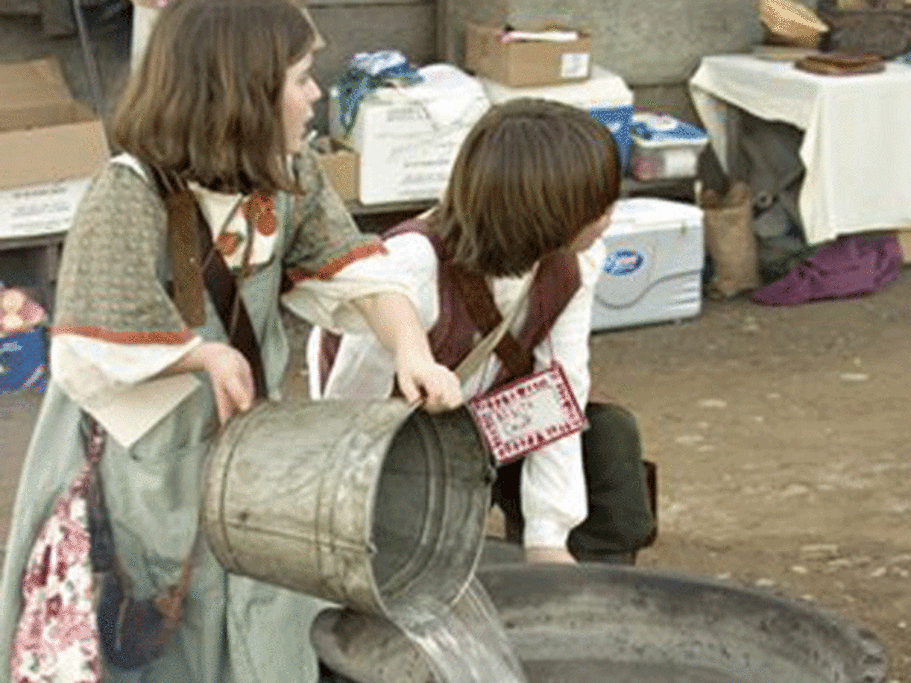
<point>605,95</point>
<point>653,269</point>
<point>407,138</point>
<point>664,147</point>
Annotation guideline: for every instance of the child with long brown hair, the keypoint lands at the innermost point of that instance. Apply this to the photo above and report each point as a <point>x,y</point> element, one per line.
<point>217,108</point>
<point>529,196</point>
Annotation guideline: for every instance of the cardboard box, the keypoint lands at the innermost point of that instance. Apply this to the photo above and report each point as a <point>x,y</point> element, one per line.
<point>489,52</point>
<point>407,137</point>
<point>604,94</point>
<point>50,145</point>
<point>339,162</point>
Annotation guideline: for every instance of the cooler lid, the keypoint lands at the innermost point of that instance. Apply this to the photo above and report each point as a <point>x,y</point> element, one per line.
<point>636,214</point>
<point>658,130</point>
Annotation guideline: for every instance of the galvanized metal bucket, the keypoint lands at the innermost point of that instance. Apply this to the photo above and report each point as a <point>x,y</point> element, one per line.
<point>368,504</point>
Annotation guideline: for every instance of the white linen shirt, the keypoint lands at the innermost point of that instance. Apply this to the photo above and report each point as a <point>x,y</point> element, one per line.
<point>553,480</point>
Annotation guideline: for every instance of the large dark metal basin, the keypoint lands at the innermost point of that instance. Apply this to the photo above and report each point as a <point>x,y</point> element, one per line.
<point>596,623</point>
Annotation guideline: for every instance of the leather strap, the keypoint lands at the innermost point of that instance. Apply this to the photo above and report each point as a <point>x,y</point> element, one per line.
<point>491,340</point>
<point>169,601</point>
<point>483,311</point>
<point>189,236</point>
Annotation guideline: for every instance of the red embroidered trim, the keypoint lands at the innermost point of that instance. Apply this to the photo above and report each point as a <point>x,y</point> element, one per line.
<point>156,337</point>
<point>334,266</point>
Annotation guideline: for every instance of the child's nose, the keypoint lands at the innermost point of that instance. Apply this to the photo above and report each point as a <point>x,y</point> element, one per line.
<point>314,91</point>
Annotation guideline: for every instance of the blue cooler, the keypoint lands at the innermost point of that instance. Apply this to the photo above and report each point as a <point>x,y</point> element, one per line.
<point>605,95</point>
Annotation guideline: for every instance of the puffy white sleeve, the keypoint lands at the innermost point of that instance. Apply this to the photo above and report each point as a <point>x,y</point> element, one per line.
<point>553,487</point>
<point>363,367</point>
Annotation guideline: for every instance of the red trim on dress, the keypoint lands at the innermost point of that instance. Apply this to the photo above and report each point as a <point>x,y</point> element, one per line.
<point>300,274</point>
<point>155,337</point>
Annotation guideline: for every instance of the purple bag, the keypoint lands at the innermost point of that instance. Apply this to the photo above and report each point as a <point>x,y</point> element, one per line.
<point>850,266</point>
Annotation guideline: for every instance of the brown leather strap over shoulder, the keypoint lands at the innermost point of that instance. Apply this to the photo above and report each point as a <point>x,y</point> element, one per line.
<point>184,251</point>
<point>189,237</point>
<point>556,282</point>
<point>483,311</point>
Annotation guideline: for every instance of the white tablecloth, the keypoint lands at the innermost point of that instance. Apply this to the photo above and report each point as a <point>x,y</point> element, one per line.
<point>857,136</point>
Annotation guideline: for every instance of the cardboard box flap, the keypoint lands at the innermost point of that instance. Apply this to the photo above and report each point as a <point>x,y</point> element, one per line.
<point>37,114</point>
<point>549,32</point>
<point>73,147</point>
<point>23,83</point>
<point>45,134</point>
<point>37,71</point>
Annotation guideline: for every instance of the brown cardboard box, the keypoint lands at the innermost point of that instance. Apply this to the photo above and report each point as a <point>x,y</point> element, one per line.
<point>50,144</point>
<point>526,62</point>
<point>339,162</point>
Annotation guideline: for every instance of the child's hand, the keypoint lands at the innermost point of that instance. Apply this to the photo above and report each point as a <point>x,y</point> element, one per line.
<point>435,385</point>
<point>231,378</point>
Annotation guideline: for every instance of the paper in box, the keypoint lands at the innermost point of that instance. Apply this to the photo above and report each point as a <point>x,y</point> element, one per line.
<point>50,145</point>
<point>522,59</point>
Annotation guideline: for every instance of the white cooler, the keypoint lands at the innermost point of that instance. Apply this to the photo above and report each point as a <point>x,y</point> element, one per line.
<point>653,269</point>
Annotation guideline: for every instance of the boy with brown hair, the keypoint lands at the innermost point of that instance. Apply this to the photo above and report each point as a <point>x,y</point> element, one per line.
<point>529,196</point>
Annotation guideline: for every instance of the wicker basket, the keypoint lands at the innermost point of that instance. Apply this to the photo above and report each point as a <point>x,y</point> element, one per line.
<point>876,31</point>
<point>790,23</point>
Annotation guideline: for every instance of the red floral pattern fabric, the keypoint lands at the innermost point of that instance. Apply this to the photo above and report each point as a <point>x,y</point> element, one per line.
<point>259,210</point>
<point>57,638</point>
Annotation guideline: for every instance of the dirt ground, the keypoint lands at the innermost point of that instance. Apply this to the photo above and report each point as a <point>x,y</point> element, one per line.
<point>781,437</point>
<point>782,442</point>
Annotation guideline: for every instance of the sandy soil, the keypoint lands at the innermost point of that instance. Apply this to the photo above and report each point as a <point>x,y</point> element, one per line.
<point>782,441</point>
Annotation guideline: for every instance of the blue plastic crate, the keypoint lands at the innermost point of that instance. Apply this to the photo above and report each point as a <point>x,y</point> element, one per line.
<point>619,121</point>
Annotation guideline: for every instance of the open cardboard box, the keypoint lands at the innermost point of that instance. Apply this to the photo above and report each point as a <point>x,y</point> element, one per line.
<point>50,145</point>
<point>340,164</point>
<point>526,62</point>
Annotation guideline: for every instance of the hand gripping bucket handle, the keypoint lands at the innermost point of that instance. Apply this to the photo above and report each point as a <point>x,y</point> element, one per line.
<point>367,503</point>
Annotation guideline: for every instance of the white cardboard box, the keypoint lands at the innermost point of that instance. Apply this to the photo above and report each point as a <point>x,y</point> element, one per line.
<point>653,269</point>
<point>408,137</point>
<point>605,95</point>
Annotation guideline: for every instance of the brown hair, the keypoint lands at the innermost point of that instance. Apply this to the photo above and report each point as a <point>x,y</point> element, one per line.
<point>529,176</point>
<point>205,101</point>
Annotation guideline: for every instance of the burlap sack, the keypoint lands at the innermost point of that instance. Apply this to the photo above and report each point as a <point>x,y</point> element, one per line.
<point>730,241</point>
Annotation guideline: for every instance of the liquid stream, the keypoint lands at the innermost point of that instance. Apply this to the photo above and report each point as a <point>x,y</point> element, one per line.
<point>464,643</point>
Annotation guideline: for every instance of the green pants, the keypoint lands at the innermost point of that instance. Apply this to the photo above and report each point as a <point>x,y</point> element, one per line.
<point>620,486</point>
